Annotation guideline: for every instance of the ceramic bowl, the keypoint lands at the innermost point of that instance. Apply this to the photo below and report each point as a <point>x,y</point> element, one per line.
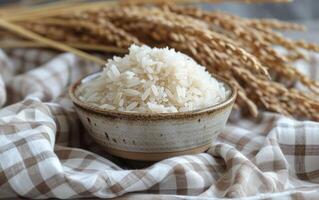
<point>151,137</point>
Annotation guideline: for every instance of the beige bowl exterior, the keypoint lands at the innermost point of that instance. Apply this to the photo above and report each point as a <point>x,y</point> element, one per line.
<point>153,137</point>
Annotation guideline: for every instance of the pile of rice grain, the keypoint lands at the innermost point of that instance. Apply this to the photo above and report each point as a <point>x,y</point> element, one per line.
<point>153,80</point>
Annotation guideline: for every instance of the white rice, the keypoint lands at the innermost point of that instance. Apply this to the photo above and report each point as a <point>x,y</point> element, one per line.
<point>153,80</point>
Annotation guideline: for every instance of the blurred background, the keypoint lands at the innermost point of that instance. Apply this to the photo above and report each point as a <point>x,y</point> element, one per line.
<point>301,11</point>
<point>296,10</point>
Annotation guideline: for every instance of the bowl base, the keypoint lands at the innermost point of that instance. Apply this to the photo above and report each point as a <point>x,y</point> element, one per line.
<point>145,156</point>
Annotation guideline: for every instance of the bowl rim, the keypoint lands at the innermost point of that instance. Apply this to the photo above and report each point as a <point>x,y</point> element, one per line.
<point>152,116</point>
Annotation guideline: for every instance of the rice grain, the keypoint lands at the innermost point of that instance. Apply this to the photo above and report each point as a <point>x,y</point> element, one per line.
<point>153,80</point>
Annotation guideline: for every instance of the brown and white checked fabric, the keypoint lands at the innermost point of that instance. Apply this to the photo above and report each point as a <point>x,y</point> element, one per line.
<point>45,152</point>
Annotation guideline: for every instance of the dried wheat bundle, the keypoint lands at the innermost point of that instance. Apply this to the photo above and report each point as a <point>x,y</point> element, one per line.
<point>238,49</point>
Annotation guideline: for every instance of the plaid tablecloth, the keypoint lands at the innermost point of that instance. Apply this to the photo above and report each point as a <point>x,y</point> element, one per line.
<point>45,152</point>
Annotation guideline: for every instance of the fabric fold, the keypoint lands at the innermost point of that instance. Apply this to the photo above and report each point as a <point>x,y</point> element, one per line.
<point>46,153</point>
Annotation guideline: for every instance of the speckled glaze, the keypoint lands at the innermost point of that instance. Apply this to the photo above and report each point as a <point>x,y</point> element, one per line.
<point>139,136</point>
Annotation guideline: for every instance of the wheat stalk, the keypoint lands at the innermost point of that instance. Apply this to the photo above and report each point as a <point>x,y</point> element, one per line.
<point>28,34</point>
<point>92,47</point>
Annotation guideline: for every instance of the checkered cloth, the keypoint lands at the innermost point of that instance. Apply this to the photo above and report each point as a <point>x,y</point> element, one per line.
<point>45,152</point>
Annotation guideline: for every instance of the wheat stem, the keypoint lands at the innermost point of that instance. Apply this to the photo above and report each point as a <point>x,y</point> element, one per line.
<point>60,46</point>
